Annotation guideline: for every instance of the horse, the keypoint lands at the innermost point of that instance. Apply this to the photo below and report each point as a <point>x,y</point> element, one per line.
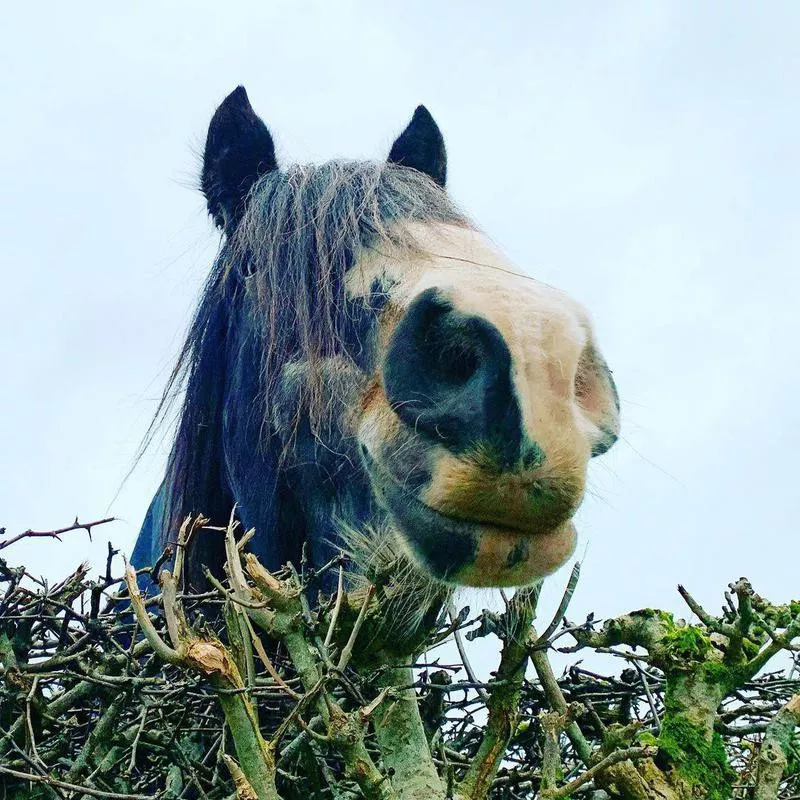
<point>364,359</point>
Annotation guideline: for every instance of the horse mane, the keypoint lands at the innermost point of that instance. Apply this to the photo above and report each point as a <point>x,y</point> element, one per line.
<point>276,295</point>
<point>302,230</point>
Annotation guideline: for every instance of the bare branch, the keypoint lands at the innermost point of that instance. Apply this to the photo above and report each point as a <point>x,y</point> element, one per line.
<point>57,533</point>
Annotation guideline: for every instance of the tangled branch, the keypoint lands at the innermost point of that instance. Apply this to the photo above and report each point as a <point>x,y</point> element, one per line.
<point>251,691</point>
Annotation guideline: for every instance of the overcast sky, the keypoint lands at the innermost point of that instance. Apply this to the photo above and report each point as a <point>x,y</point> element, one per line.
<point>641,155</point>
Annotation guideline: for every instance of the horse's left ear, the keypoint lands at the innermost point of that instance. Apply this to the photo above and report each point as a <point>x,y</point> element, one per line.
<point>421,146</point>
<point>239,150</point>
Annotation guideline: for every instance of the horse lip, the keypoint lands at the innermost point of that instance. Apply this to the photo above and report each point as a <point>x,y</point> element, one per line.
<point>396,495</point>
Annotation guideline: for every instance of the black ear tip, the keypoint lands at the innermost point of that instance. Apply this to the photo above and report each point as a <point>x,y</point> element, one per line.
<point>423,120</point>
<point>236,101</point>
<point>239,150</point>
<point>421,146</point>
<point>237,97</point>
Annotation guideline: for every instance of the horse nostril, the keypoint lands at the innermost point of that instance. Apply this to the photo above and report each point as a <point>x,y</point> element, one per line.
<point>454,361</point>
<point>448,375</point>
<point>596,396</point>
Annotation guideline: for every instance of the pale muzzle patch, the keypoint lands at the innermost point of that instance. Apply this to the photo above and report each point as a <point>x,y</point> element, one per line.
<point>463,517</point>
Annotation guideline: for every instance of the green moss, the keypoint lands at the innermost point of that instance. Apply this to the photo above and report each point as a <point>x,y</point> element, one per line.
<point>618,736</point>
<point>752,648</point>
<point>686,643</point>
<point>779,616</point>
<point>793,757</point>
<point>655,613</point>
<point>699,762</point>
<point>646,738</point>
<point>667,618</point>
<point>687,745</point>
<point>715,672</point>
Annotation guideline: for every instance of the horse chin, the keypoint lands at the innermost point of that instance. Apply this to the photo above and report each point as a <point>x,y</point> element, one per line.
<point>465,552</point>
<point>517,558</point>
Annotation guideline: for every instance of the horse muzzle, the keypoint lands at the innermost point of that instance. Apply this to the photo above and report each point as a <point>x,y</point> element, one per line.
<point>469,552</point>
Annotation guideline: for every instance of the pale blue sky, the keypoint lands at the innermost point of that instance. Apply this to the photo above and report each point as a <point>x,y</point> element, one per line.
<point>641,155</point>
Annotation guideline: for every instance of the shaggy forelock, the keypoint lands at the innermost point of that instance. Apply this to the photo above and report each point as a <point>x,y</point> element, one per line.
<point>301,231</point>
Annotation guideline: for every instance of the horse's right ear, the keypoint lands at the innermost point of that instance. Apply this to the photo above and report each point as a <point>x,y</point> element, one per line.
<point>239,150</point>
<point>421,146</point>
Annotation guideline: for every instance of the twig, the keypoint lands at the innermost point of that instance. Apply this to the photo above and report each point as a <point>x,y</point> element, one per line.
<point>562,606</point>
<point>135,745</point>
<point>267,661</point>
<point>72,787</point>
<point>462,652</point>
<point>347,650</point>
<point>56,534</point>
<point>627,753</point>
<point>651,701</point>
<point>160,647</point>
<point>29,723</point>
<point>697,609</point>
<point>557,701</point>
<point>337,607</point>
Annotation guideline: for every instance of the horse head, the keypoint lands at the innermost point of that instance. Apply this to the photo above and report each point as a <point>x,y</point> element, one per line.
<point>363,358</point>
